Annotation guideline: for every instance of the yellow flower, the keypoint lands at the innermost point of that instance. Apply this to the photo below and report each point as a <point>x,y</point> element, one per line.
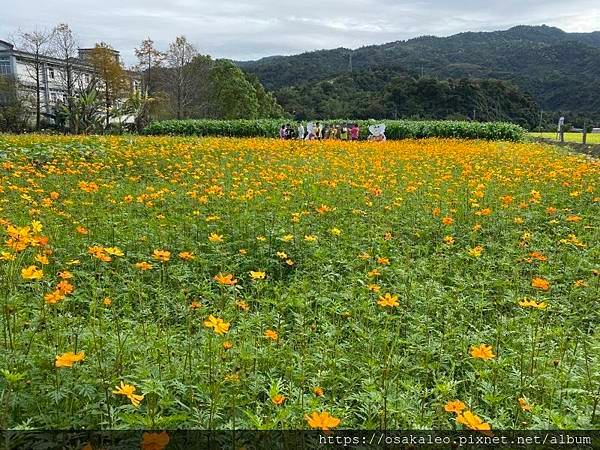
<point>129,391</point>
<point>475,251</point>
<point>448,240</point>
<point>241,304</point>
<point>374,287</point>
<point>310,238</point>
<point>318,391</point>
<point>323,421</point>
<point>335,231</point>
<point>42,259</point>
<point>36,226</point>
<point>258,275</point>
<point>68,359</point>
<point>282,255</point>
<point>482,352</point>
<point>287,238</point>
<point>388,300</point>
<point>214,237</point>
<point>218,325</point>
<point>161,255</point>
<point>114,251</point>
<point>526,303</point>
<point>32,273</point>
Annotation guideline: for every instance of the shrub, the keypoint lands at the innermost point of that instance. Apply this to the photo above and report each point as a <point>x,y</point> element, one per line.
<point>395,129</point>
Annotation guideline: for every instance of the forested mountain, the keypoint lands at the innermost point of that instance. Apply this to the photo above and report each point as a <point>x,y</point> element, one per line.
<point>560,70</point>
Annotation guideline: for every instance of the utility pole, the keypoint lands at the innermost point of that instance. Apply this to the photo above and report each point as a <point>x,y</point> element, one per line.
<point>541,118</point>
<point>350,62</point>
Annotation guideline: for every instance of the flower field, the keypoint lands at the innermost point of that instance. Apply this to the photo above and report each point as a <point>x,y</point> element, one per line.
<point>162,283</point>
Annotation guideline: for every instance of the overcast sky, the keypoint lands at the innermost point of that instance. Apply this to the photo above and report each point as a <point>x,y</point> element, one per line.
<point>255,28</point>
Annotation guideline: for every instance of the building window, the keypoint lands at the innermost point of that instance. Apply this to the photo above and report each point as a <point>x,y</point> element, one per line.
<point>51,73</point>
<point>5,68</point>
<point>53,97</point>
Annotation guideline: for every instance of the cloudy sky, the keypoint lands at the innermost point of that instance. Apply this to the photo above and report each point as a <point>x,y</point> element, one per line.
<point>254,28</point>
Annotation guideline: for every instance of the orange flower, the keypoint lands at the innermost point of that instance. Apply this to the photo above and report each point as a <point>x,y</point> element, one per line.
<point>454,406</point>
<point>68,359</point>
<point>323,421</point>
<point>540,283</point>
<point>53,297</point>
<point>129,391</point>
<point>225,279</point>
<point>278,399</point>
<point>82,230</point>
<point>271,334</point>
<point>143,265</point>
<point>482,352</point>
<point>155,441</point>
<point>161,255</point>
<point>388,300</point>
<point>186,256</point>
<point>524,405</point>
<point>218,325</point>
<point>447,220</point>
<point>318,391</point>
<point>227,345</point>
<point>64,287</point>
<point>472,421</point>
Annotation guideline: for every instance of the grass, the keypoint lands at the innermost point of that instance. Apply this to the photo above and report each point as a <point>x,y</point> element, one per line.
<point>257,283</point>
<point>592,138</point>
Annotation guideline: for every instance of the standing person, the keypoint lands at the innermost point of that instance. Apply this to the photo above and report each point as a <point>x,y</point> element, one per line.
<point>318,131</point>
<point>354,132</point>
<point>290,133</point>
<point>282,132</point>
<point>300,131</point>
<point>344,133</point>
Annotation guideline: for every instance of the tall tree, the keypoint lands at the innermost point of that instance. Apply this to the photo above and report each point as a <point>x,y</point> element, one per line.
<point>37,44</point>
<point>180,55</point>
<point>149,59</point>
<point>109,70</point>
<point>64,47</point>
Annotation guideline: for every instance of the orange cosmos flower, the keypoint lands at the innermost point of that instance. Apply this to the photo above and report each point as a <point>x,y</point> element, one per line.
<point>227,345</point>
<point>482,352</point>
<point>68,359</point>
<point>82,230</point>
<point>161,255</point>
<point>472,421</point>
<point>225,279</point>
<point>323,421</point>
<point>143,265</point>
<point>540,283</point>
<point>155,441</point>
<point>129,391</point>
<point>388,300</point>
<point>524,405</point>
<point>186,256</point>
<point>53,297</point>
<point>64,287</point>
<point>454,406</point>
<point>271,334</point>
<point>241,304</point>
<point>218,325</point>
<point>447,220</point>
<point>318,391</point>
<point>278,399</point>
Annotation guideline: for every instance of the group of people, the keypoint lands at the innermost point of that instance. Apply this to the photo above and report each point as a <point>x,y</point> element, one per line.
<point>346,132</point>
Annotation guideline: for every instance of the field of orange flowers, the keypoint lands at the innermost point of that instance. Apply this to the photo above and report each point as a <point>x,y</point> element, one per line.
<point>255,283</point>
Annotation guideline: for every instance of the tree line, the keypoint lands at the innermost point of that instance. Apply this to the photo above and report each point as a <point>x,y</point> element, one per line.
<point>176,83</point>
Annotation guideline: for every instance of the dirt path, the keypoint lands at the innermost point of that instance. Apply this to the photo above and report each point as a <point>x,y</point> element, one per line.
<point>592,150</point>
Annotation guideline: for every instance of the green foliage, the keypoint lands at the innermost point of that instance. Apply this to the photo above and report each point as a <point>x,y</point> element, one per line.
<point>395,129</point>
<point>560,70</point>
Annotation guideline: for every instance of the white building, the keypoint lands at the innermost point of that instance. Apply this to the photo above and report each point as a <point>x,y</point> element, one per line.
<point>53,75</point>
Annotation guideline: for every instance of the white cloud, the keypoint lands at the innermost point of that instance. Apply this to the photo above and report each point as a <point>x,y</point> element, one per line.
<point>252,29</point>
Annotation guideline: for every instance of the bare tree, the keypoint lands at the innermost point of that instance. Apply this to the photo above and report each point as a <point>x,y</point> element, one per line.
<point>37,44</point>
<point>149,59</point>
<point>64,47</point>
<point>181,53</point>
